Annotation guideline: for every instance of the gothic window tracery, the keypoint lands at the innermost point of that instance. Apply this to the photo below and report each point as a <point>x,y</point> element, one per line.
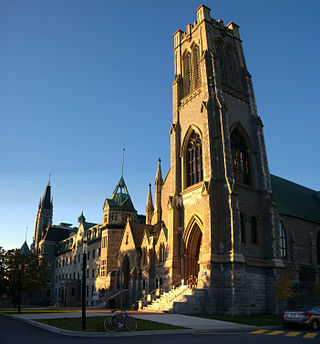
<point>194,159</point>
<point>283,242</point>
<point>228,62</point>
<point>240,158</point>
<point>191,70</point>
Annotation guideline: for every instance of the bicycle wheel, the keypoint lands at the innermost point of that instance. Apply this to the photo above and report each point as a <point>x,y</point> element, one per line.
<point>131,324</point>
<point>110,324</point>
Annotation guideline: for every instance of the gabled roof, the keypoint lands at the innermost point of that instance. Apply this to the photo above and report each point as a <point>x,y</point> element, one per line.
<point>137,230</point>
<point>24,250</point>
<point>120,197</point>
<point>296,200</point>
<point>56,234</point>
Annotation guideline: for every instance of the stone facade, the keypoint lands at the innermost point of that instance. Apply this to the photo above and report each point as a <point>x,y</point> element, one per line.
<point>215,215</point>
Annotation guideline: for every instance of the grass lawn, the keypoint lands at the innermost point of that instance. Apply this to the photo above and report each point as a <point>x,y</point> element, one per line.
<point>254,320</point>
<point>95,324</point>
<point>34,311</point>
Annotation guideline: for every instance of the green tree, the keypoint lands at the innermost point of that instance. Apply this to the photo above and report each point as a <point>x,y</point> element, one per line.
<point>284,290</point>
<point>31,267</point>
<point>4,282</point>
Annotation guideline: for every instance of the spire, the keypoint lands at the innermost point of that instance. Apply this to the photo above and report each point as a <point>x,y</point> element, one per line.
<point>46,200</point>
<point>158,179</point>
<point>158,186</point>
<point>81,218</point>
<point>123,150</point>
<point>149,207</point>
<point>24,250</point>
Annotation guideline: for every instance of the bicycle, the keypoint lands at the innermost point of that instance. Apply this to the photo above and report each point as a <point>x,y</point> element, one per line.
<point>119,320</point>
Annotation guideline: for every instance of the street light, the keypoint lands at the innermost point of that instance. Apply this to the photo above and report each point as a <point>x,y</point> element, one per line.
<point>19,289</point>
<point>84,275</point>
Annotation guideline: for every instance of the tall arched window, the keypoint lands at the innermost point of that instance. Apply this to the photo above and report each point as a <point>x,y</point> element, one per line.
<point>254,230</point>
<point>194,159</point>
<point>283,242</point>
<point>318,248</point>
<point>221,59</point>
<point>240,158</point>
<point>231,69</point>
<point>191,70</point>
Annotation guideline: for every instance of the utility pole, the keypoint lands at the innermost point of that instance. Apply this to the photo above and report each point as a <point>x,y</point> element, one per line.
<point>19,289</point>
<point>84,289</point>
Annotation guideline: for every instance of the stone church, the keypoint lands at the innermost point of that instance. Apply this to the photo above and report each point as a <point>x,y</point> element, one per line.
<point>218,215</point>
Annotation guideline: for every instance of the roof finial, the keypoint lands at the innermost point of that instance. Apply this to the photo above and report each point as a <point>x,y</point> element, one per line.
<point>123,150</point>
<point>26,233</point>
<point>49,179</point>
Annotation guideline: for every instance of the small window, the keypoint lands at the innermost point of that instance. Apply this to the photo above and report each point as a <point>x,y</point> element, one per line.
<point>283,242</point>
<point>93,254</point>
<point>254,230</point>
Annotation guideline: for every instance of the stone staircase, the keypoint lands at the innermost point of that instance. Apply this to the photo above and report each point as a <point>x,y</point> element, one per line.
<point>179,300</point>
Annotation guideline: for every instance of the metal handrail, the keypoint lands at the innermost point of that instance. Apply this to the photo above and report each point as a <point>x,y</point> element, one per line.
<point>184,290</point>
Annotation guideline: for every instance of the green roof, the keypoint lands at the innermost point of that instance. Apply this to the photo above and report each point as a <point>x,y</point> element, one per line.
<point>296,200</point>
<point>120,197</point>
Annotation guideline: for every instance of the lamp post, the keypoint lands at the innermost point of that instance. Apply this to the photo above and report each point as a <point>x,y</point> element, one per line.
<point>19,289</point>
<point>84,275</point>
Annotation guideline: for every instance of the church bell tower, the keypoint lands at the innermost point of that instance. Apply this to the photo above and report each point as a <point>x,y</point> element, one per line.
<point>221,218</point>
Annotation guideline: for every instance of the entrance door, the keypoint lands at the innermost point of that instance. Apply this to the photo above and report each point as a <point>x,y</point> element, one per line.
<point>191,258</point>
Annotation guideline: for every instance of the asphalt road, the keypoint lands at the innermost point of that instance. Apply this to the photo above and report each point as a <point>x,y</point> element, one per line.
<point>13,331</point>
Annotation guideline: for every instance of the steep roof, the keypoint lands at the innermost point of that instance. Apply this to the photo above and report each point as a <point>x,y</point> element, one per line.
<point>46,200</point>
<point>296,200</point>
<point>120,197</point>
<point>24,250</point>
<point>138,230</point>
<point>56,234</point>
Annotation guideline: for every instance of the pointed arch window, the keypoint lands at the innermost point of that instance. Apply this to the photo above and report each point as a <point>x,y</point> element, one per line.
<point>231,69</point>
<point>283,242</point>
<point>194,159</point>
<point>191,70</point>
<point>240,158</point>
<point>221,59</point>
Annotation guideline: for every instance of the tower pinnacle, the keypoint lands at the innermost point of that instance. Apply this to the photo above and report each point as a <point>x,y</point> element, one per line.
<point>149,207</point>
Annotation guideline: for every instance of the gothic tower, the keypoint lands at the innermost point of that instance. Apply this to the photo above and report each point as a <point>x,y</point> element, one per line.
<point>220,217</point>
<point>44,216</point>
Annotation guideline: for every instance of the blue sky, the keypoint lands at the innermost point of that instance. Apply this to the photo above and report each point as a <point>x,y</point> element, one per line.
<point>81,79</point>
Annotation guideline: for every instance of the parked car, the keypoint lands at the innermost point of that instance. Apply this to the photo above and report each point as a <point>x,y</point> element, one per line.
<point>307,316</point>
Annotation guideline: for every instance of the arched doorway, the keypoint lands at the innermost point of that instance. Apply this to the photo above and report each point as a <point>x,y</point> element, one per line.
<point>192,252</point>
<point>125,271</point>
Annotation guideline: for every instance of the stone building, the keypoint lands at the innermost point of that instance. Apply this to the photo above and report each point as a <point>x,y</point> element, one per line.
<point>218,214</point>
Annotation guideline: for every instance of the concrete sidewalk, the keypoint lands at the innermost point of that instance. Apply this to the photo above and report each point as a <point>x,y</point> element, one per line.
<point>193,324</point>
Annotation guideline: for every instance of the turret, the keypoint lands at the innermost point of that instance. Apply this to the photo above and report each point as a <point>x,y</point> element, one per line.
<point>149,207</point>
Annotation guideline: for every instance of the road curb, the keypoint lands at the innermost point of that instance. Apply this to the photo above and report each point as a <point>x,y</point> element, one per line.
<point>95,334</point>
